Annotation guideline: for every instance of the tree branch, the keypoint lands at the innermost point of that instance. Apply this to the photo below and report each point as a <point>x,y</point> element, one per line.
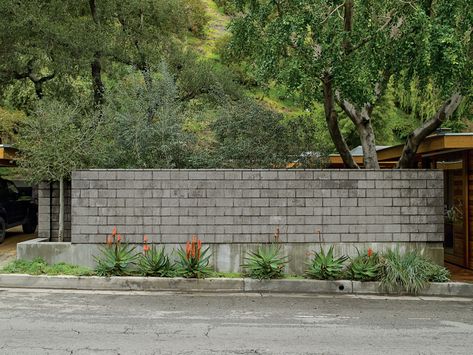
<point>415,139</point>
<point>369,38</point>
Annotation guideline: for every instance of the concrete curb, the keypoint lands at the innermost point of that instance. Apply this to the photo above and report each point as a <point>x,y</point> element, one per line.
<point>234,285</point>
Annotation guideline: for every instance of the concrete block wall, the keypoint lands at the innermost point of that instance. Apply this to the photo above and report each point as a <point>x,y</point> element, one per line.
<point>247,206</point>
<point>48,211</point>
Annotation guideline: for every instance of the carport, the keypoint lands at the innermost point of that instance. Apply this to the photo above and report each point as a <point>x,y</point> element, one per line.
<point>14,235</point>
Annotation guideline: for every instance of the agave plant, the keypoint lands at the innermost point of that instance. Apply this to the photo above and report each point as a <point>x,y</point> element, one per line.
<point>154,261</point>
<point>324,266</point>
<point>265,263</point>
<point>116,258</point>
<point>365,267</point>
<point>193,262</point>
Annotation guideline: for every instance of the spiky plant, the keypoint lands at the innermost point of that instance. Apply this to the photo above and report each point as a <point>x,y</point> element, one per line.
<point>193,262</point>
<point>116,258</point>
<point>409,272</point>
<point>265,263</point>
<point>365,267</point>
<point>324,266</point>
<point>154,261</point>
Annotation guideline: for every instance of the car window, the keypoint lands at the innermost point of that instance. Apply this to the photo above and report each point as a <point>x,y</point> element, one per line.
<point>12,190</point>
<point>3,189</point>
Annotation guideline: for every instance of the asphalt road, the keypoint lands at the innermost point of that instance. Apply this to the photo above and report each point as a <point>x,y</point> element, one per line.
<point>71,322</point>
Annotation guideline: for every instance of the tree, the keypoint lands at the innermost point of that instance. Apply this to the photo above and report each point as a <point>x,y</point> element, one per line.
<point>67,41</point>
<point>347,52</point>
<point>54,141</point>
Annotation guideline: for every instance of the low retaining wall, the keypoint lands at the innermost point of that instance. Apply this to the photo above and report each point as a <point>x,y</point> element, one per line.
<point>224,257</point>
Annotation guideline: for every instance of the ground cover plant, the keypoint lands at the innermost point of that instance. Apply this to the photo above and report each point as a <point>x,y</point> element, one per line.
<point>39,266</point>
<point>409,272</point>
<point>154,261</point>
<point>324,266</point>
<point>267,262</point>
<point>193,262</point>
<point>116,257</point>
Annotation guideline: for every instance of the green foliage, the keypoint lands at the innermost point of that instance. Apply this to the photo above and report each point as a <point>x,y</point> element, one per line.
<point>250,135</point>
<point>193,262</point>
<point>365,267</point>
<point>154,262</point>
<point>54,141</point>
<point>324,266</point>
<point>39,267</point>
<point>422,48</point>
<point>115,258</point>
<point>9,123</point>
<point>142,126</point>
<point>409,272</point>
<point>437,273</point>
<point>48,47</point>
<point>265,263</point>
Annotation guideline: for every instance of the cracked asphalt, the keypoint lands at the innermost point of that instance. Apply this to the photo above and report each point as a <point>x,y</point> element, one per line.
<point>86,322</point>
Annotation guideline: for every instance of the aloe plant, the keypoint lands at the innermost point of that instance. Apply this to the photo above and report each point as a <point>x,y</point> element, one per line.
<point>365,267</point>
<point>193,262</point>
<point>324,266</point>
<point>265,263</point>
<point>116,258</point>
<point>154,262</point>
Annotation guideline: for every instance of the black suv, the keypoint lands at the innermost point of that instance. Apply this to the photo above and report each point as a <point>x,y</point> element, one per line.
<point>16,208</point>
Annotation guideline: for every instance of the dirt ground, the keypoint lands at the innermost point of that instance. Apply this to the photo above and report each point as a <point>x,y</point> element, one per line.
<point>8,247</point>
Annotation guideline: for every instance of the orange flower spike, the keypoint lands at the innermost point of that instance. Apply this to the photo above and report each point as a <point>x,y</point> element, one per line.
<point>114,231</point>
<point>370,252</point>
<point>119,238</point>
<point>146,248</point>
<point>199,247</point>
<point>188,249</point>
<point>145,239</point>
<point>193,245</point>
<point>109,240</point>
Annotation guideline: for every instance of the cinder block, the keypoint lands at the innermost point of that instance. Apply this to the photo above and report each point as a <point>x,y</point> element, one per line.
<point>357,175</point>
<point>339,174</point>
<point>331,202</point>
<point>233,174</point>
<point>330,238</point>
<point>286,175</point>
<point>161,174</point>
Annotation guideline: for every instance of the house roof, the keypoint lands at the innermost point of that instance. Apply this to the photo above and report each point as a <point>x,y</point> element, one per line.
<point>7,155</point>
<point>440,142</point>
<point>437,143</point>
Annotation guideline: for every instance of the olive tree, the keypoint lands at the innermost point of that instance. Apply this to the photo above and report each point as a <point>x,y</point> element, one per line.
<point>345,52</point>
<point>54,141</point>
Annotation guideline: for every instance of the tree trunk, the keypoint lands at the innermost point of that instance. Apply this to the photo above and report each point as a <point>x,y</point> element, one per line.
<point>98,86</point>
<point>414,140</point>
<point>96,65</point>
<point>362,121</point>
<point>332,123</point>
<point>61,211</point>
<point>366,133</point>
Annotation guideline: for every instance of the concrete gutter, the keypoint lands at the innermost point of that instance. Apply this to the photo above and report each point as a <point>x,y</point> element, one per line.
<point>234,285</point>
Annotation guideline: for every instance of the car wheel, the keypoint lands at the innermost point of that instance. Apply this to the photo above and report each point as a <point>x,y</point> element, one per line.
<point>30,226</point>
<point>3,229</point>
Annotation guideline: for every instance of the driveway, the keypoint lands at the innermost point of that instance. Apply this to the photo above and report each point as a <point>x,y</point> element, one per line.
<point>8,247</point>
<point>72,322</point>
